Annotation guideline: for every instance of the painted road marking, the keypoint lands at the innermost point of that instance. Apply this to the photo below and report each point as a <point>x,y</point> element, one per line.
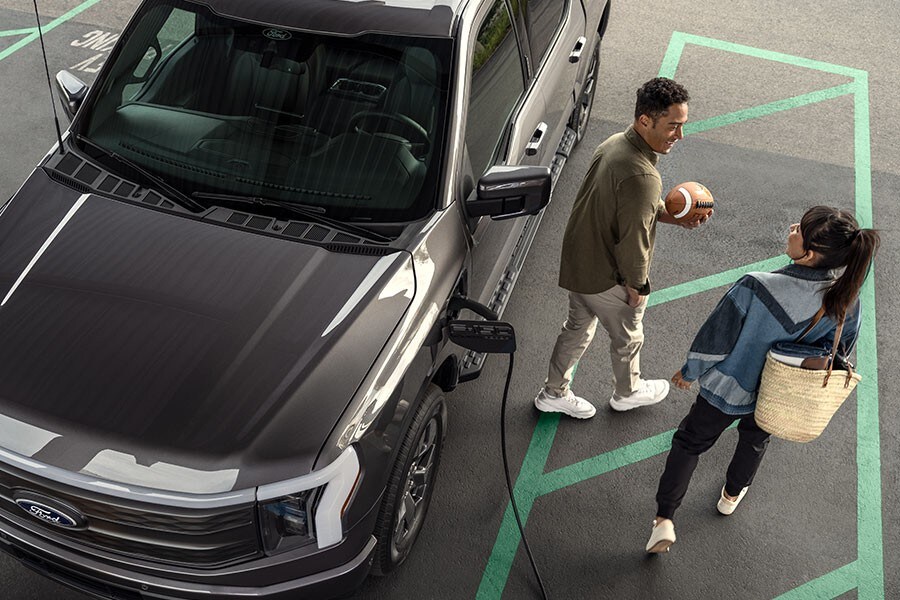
<point>33,33</point>
<point>12,32</point>
<point>866,573</point>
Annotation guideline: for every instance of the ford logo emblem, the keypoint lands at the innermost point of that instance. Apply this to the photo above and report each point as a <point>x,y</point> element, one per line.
<point>277,34</point>
<point>59,516</point>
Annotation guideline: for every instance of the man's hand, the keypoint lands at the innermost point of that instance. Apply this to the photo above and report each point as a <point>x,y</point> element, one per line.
<point>692,223</point>
<point>634,299</point>
<point>696,221</point>
<point>679,381</point>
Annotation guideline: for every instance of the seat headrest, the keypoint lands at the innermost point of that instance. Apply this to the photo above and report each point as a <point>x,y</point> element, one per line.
<point>419,66</point>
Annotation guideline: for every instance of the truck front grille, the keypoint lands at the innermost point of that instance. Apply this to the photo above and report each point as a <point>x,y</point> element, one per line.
<point>204,538</point>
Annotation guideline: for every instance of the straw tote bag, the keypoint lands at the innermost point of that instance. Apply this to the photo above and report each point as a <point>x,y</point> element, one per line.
<point>796,402</point>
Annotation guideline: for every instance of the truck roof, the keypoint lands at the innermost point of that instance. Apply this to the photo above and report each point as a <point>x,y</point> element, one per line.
<point>433,18</point>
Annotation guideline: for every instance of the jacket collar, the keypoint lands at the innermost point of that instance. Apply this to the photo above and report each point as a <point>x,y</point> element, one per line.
<point>638,142</point>
<point>807,273</point>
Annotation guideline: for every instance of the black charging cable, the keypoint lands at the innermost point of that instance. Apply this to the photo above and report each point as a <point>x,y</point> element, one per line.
<point>496,337</point>
<point>509,486</point>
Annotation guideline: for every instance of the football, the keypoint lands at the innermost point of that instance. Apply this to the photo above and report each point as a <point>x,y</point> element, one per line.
<point>688,200</point>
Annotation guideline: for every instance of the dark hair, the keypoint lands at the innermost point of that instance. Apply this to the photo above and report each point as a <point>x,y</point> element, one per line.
<point>836,236</point>
<point>656,96</point>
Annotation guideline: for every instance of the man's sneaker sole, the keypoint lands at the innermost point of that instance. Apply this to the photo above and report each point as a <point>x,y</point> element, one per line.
<point>547,408</point>
<point>622,405</point>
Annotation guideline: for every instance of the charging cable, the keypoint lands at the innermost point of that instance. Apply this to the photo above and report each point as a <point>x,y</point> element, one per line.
<point>498,338</point>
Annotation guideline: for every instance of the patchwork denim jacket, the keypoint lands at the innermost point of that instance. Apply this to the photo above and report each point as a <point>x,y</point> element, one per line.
<point>760,309</point>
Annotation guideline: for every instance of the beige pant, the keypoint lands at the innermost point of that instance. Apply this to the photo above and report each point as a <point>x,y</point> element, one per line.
<point>626,336</point>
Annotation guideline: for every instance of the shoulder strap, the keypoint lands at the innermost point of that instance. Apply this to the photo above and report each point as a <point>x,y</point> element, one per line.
<point>834,347</point>
<point>815,320</point>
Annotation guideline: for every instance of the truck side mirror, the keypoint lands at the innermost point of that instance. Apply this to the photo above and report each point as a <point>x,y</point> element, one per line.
<point>508,192</point>
<point>71,92</point>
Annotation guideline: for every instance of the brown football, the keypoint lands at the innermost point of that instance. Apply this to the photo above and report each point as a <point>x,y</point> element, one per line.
<point>688,200</point>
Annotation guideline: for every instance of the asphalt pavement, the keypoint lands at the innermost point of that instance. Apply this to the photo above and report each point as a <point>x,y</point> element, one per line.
<point>793,104</point>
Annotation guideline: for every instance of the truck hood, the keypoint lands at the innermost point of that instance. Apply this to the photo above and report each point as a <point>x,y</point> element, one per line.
<point>154,349</point>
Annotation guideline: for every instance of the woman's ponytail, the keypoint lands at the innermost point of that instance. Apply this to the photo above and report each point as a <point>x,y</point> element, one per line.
<point>835,235</point>
<point>843,292</point>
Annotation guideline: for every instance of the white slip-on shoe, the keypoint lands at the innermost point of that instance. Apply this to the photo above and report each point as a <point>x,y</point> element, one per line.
<point>661,537</point>
<point>569,404</point>
<point>726,506</point>
<point>651,391</point>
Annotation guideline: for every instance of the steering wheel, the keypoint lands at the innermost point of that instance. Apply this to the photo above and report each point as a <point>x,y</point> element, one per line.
<point>419,137</point>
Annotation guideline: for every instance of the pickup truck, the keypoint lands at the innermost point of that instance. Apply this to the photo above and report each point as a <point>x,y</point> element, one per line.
<point>224,294</point>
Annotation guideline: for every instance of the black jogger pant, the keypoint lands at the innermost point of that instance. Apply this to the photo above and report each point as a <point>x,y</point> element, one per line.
<point>696,434</point>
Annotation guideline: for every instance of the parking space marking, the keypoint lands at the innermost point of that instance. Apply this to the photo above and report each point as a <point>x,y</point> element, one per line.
<point>33,34</point>
<point>11,32</point>
<point>866,573</point>
<point>765,110</point>
<point>831,585</point>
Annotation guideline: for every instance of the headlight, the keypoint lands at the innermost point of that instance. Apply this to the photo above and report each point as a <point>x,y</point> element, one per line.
<point>308,509</point>
<point>286,524</point>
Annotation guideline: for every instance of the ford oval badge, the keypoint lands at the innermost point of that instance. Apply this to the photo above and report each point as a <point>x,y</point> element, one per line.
<point>50,514</point>
<point>277,34</point>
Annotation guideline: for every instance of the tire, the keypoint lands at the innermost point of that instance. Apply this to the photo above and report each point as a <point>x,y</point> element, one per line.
<point>411,484</point>
<point>582,113</point>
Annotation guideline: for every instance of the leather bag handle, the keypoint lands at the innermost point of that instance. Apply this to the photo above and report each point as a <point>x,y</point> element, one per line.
<point>837,340</point>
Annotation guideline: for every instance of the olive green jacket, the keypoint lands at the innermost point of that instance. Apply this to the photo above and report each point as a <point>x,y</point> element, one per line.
<point>611,231</point>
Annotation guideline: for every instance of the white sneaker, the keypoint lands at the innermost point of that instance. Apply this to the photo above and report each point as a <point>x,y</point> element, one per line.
<point>661,537</point>
<point>726,506</point>
<point>650,392</point>
<point>569,404</point>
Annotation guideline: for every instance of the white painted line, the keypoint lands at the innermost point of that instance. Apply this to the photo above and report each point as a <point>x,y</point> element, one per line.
<point>46,245</point>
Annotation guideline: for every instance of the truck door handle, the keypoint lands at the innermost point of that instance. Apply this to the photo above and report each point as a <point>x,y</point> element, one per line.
<point>575,56</point>
<point>537,138</point>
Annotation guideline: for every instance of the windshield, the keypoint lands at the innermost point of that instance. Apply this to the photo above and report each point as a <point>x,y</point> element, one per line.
<point>210,104</point>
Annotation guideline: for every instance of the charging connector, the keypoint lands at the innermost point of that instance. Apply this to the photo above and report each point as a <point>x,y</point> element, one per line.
<point>494,337</point>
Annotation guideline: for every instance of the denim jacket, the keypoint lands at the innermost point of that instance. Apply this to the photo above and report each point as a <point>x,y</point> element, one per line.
<point>760,309</point>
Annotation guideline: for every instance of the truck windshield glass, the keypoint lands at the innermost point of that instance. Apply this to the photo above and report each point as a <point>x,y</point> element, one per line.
<point>215,105</point>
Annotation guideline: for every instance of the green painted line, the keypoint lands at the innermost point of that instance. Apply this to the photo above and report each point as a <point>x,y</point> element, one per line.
<point>870,550</point>
<point>18,32</point>
<point>604,463</point>
<point>672,56</point>
<point>797,61</point>
<point>862,152</point>
<point>831,585</point>
<point>496,573</point>
<point>870,540</point>
<point>768,109</point>
<point>710,282</point>
<point>608,461</point>
<point>48,27</point>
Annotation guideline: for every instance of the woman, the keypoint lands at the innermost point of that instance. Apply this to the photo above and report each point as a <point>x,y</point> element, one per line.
<point>728,354</point>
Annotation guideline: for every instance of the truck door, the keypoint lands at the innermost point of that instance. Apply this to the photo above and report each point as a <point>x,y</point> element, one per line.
<point>499,107</point>
<point>556,37</point>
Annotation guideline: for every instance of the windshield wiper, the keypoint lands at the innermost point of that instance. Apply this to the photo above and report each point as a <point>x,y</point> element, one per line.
<point>315,213</point>
<point>154,180</point>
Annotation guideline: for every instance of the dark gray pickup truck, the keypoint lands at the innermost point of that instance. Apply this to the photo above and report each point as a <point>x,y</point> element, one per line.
<point>224,296</point>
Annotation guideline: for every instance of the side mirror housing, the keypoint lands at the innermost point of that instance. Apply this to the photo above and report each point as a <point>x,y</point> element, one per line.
<point>71,92</point>
<point>508,192</point>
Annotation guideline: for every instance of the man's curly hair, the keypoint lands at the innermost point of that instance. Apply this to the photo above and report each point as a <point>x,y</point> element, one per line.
<point>657,95</point>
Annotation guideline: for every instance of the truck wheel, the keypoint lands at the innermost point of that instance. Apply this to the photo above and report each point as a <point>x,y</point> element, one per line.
<point>411,483</point>
<point>582,112</point>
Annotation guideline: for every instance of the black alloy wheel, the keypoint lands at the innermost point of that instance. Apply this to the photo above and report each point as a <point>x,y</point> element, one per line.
<point>411,484</point>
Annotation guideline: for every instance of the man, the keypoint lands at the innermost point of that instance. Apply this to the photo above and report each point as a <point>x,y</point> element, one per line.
<point>607,251</point>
